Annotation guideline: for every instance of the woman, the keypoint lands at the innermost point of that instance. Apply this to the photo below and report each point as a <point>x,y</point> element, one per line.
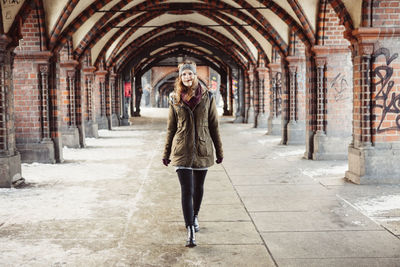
<point>192,125</point>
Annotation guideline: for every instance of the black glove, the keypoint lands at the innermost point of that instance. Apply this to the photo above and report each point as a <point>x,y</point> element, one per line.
<point>166,162</point>
<point>218,161</point>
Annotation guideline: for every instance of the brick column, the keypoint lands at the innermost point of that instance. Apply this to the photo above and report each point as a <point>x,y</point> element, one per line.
<point>91,126</point>
<point>263,97</point>
<point>296,128</point>
<point>374,153</point>
<point>334,97</point>
<point>32,101</point>
<point>113,93</point>
<point>275,118</point>
<point>67,84</point>
<point>250,84</point>
<point>10,161</point>
<point>100,95</point>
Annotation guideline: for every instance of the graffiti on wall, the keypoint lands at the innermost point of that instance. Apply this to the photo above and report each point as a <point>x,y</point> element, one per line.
<point>385,98</point>
<point>340,87</point>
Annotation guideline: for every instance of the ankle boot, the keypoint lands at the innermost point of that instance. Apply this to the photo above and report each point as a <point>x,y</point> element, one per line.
<point>196,224</point>
<point>191,240</point>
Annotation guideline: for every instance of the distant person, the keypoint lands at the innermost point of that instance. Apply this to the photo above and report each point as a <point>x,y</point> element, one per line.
<point>191,132</point>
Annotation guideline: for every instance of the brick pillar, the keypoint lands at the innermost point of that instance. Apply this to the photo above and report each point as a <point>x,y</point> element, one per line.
<point>67,86</point>
<point>100,95</point>
<point>334,102</point>
<point>296,128</point>
<point>113,99</point>
<point>32,113</point>
<point>263,97</point>
<point>250,113</point>
<point>374,153</point>
<point>275,118</point>
<point>10,160</point>
<point>91,126</point>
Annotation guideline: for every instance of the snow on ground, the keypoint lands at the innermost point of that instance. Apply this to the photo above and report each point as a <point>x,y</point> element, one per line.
<point>60,191</point>
<point>332,171</point>
<point>380,206</point>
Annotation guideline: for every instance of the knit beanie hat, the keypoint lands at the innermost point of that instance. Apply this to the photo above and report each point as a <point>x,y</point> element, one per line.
<point>187,66</point>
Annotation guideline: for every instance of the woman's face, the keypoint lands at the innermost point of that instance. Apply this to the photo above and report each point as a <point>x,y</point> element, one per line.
<point>187,78</point>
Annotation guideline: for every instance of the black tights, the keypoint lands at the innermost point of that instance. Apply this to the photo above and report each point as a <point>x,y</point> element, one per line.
<point>192,192</point>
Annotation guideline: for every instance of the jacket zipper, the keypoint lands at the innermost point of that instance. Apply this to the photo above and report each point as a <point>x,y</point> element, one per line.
<point>194,133</point>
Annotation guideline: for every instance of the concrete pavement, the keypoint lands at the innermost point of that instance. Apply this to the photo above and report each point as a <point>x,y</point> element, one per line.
<point>115,204</point>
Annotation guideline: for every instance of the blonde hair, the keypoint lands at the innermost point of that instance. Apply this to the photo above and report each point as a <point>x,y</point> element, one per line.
<point>180,87</point>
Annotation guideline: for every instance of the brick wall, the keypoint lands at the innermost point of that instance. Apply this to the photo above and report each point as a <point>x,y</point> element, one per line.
<point>386,91</point>
<point>339,100</point>
<point>26,83</point>
<point>386,13</point>
<point>330,30</point>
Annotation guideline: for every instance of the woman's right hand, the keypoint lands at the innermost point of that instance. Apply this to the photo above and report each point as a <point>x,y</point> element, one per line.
<point>166,162</point>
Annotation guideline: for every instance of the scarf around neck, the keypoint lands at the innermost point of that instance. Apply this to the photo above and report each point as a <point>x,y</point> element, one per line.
<point>196,98</point>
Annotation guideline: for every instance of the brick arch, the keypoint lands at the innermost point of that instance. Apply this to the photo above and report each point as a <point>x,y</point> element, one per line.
<point>190,49</point>
<point>171,37</point>
<point>166,77</point>
<point>246,33</point>
<point>269,32</point>
<point>62,19</point>
<point>158,30</point>
<point>223,40</point>
<point>327,25</point>
<point>92,38</point>
<point>141,45</point>
<point>108,27</point>
<point>344,16</point>
<point>59,37</point>
<point>306,37</point>
<point>15,30</point>
<point>173,51</point>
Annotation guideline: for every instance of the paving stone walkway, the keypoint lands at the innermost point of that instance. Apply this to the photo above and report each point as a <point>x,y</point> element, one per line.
<point>115,204</point>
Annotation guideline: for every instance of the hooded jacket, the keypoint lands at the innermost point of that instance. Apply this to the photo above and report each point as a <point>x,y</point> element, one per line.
<point>191,134</point>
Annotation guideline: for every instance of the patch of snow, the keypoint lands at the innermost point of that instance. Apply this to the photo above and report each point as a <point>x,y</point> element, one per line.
<point>37,204</point>
<point>377,206</point>
<point>290,153</point>
<point>327,171</point>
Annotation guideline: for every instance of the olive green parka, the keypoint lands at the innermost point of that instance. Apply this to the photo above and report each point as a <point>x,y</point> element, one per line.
<point>191,134</point>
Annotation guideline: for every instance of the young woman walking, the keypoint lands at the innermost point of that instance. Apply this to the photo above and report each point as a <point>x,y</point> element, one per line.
<point>191,132</point>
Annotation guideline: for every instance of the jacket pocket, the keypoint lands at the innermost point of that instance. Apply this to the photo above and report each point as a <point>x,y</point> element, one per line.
<point>179,148</point>
<point>202,147</point>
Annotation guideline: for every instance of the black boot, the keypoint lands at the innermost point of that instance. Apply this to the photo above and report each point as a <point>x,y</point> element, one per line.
<point>191,241</point>
<point>196,224</point>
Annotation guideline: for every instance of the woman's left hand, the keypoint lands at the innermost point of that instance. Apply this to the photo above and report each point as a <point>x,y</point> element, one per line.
<point>218,161</point>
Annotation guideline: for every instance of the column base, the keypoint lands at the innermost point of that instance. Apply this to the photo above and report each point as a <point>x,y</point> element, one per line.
<point>42,152</point>
<point>374,165</point>
<point>261,121</point>
<point>296,133</point>
<point>275,126</point>
<point>250,115</point>
<point>330,148</point>
<point>125,122</point>
<point>102,123</point>
<point>70,137</point>
<point>109,123</point>
<point>10,170</point>
<point>114,120</point>
<point>91,129</point>
<point>238,119</point>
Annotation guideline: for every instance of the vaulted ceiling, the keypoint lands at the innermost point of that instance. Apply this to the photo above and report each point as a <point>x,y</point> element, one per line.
<point>222,32</point>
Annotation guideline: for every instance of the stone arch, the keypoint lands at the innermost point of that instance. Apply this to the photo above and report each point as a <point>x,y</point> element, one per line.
<point>171,37</point>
